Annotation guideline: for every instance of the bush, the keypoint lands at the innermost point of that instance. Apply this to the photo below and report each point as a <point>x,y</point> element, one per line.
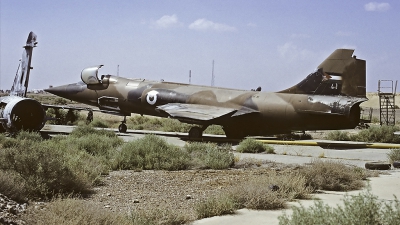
<point>219,158</point>
<point>383,134</point>
<point>42,168</point>
<point>218,205</point>
<point>59,165</point>
<point>73,211</point>
<point>271,191</point>
<point>363,208</point>
<point>214,129</point>
<point>250,145</point>
<point>338,135</point>
<point>333,176</point>
<point>394,155</point>
<point>63,117</point>
<point>173,125</point>
<point>96,144</point>
<point>157,216</point>
<point>84,130</point>
<point>99,123</point>
<point>264,192</point>
<point>12,186</point>
<point>151,152</point>
<point>210,156</point>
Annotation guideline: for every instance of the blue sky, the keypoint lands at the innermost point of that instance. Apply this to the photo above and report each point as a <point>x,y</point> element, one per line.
<point>272,44</point>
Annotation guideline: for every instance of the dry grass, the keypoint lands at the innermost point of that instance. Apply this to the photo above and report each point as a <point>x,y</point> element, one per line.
<point>74,212</point>
<point>334,176</point>
<point>267,191</point>
<point>363,208</point>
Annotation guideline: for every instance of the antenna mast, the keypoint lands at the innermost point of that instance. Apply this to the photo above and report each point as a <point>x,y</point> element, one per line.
<point>118,71</point>
<point>190,76</point>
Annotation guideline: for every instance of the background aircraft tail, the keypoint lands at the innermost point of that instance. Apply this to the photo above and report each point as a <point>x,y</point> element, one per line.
<point>339,74</point>
<point>21,79</point>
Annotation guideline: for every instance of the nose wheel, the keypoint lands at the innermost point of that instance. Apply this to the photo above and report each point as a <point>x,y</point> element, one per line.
<point>122,127</point>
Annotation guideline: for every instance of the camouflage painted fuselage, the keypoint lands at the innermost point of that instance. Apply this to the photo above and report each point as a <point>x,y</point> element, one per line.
<point>328,98</point>
<point>257,112</point>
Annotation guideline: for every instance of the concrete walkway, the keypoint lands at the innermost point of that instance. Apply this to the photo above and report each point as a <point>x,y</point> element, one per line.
<point>385,187</point>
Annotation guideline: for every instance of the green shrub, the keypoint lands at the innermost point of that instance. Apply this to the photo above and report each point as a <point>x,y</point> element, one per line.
<point>151,152</point>
<point>13,186</point>
<point>250,145</point>
<point>209,155</point>
<point>96,144</point>
<point>63,117</point>
<point>60,101</point>
<point>363,208</point>
<point>84,130</point>
<point>219,158</point>
<point>74,212</point>
<point>334,176</point>
<point>214,129</point>
<point>382,134</point>
<point>31,136</point>
<point>173,125</point>
<point>394,155</point>
<point>99,123</point>
<point>42,168</point>
<point>338,135</point>
<point>50,167</point>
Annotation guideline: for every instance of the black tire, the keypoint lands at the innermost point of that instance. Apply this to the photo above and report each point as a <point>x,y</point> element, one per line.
<point>195,132</point>
<point>378,166</point>
<point>396,164</point>
<point>122,128</point>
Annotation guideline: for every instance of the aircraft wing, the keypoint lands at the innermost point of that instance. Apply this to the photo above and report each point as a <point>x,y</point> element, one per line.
<point>194,111</point>
<point>200,112</point>
<point>118,113</point>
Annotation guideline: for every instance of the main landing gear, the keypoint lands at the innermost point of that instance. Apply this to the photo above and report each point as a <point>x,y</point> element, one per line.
<point>197,132</point>
<point>122,127</point>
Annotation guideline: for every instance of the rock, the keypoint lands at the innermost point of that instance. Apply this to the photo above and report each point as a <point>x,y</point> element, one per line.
<point>188,197</point>
<point>9,211</point>
<point>136,201</point>
<point>274,187</point>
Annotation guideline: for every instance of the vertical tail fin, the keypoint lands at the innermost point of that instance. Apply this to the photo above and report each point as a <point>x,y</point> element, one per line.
<point>21,79</point>
<point>339,74</point>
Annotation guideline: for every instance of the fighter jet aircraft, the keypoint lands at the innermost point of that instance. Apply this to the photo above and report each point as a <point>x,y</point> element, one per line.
<point>328,98</point>
<point>17,112</point>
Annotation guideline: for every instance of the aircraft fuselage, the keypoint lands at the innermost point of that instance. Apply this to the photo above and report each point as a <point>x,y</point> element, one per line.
<point>258,113</point>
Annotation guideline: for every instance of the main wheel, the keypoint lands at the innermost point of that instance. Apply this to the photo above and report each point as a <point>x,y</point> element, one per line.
<point>195,132</point>
<point>122,128</point>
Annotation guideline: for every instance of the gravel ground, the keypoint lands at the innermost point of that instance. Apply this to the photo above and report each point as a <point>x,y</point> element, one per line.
<point>125,191</point>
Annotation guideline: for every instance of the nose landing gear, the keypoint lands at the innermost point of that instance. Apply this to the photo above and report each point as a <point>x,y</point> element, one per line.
<point>122,127</point>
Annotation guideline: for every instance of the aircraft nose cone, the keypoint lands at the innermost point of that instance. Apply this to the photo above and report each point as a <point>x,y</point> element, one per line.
<point>56,90</point>
<point>66,91</point>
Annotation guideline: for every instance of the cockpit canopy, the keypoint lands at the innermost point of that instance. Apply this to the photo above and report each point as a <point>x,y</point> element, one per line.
<point>90,75</point>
